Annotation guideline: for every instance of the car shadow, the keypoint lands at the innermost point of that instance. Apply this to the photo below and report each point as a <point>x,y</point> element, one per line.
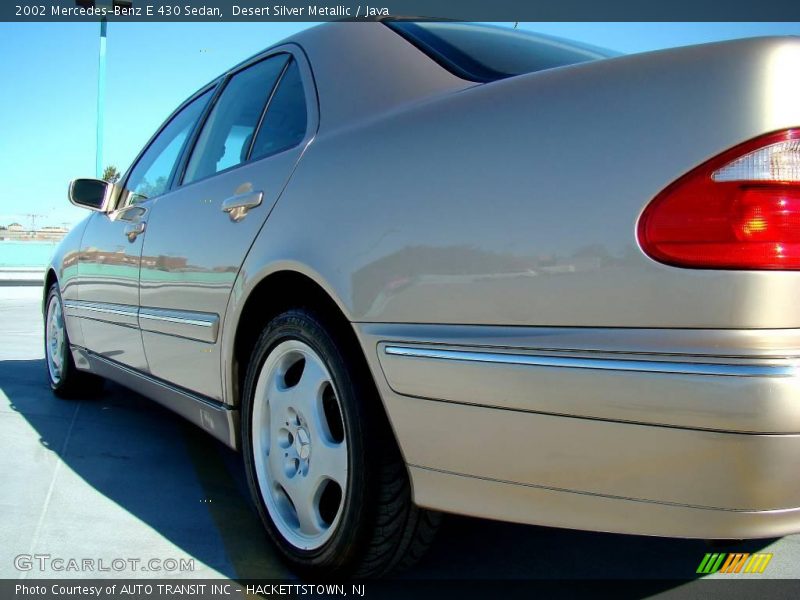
<point>191,489</point>
<point>170,475</point>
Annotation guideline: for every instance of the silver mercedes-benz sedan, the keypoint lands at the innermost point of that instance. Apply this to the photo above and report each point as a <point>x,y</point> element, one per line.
<point>410,267</point>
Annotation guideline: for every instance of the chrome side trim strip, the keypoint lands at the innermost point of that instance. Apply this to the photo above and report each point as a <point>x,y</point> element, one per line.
<point>102,307</point>
<point>177,316</point>
<point>605,364</point>
<point>191,325</point>
<point>202,327</point>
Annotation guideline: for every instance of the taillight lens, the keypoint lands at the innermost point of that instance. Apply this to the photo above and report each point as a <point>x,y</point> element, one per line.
<point>740,210</point>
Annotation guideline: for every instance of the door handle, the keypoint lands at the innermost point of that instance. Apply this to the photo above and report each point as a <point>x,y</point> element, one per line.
<point>238,205</point>
<point>134,230</point>
<point>132,213</point>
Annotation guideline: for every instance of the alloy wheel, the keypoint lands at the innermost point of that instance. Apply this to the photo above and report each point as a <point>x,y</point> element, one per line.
<point>55,342</point>
<point>299,446</point>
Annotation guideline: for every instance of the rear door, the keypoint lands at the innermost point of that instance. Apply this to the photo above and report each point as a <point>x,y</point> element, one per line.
<point>109,259</point>
<point>198,235</point>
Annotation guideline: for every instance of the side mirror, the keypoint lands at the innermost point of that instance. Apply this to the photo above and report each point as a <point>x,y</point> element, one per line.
<point>94,194</point>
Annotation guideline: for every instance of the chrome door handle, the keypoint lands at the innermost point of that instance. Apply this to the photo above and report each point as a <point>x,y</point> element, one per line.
<point>238,205</point>
<point>134,230</point>
<point>132,213</point>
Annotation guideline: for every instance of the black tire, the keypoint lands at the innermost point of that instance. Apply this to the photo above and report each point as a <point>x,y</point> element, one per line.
<point>379,529</point>
<point>72,383</point>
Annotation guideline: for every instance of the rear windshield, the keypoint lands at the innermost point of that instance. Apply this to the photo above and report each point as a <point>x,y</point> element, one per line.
<point>488,52</point>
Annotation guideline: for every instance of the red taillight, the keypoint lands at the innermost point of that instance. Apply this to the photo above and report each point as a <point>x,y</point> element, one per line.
<point>740,210</point>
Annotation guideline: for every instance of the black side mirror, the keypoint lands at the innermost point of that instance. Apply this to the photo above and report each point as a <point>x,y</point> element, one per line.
<point>94,194</point>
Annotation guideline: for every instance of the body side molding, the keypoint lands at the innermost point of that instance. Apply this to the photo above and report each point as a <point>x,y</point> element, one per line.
<point>193,325</point>
<point>604,363</point>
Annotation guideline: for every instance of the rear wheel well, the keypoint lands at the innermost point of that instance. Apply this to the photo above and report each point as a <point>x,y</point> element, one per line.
<point>277,293</point>
<point>383,529</point>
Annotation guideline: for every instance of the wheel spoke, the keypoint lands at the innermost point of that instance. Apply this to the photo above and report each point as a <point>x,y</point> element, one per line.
<point>277,397</point>
<point>308,389</point>
<point>56,357</point>
<point>302,491</point>
<point>329,460</point>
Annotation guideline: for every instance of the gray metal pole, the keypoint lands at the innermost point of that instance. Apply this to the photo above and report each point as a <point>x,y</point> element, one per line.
<point>101,93</point>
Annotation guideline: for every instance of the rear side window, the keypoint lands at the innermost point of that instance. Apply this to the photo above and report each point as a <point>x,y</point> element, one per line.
<point>489,53</point>
<point>227,135</point>
<point>285,121</point>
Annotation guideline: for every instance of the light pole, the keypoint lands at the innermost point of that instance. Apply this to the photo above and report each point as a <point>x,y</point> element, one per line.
<point>101,97</point>
<point>101,72</point>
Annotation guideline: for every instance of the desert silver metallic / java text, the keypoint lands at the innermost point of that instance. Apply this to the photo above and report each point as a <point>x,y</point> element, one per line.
<point>295,454</point>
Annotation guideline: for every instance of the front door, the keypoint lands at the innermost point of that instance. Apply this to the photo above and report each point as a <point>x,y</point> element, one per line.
<point>198,235</point>
<point>111,248</point>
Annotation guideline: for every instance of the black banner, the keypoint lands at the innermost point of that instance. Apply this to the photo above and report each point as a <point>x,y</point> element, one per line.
<point>465,10</point>
<point>221,589</point>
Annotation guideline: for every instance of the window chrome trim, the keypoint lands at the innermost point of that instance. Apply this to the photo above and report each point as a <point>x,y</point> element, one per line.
<point>605,364</point>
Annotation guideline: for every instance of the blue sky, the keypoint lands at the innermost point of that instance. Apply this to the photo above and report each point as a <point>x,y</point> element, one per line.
<point>49,71</point>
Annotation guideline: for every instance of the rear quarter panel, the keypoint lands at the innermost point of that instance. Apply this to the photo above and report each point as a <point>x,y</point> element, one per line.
<point>516,202</point>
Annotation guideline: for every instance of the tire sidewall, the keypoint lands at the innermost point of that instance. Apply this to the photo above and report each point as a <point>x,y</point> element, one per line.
<point>348,540</point>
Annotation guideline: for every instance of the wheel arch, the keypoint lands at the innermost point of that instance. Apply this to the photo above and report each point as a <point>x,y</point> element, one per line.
<point>274,293</point>
<point>401,529</point>
<point>49,279</point>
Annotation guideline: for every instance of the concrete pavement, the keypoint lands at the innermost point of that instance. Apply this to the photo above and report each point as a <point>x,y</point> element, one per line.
<point>118,477</point>
<point>113,477</point>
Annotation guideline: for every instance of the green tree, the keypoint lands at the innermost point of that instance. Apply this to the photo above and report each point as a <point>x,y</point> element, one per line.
<point>111,174</point>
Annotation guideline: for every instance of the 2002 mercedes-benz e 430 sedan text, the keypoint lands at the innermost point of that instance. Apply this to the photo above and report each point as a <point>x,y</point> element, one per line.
<point>410,267</point>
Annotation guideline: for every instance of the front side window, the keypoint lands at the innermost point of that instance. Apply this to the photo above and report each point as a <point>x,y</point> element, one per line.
<point>227,134</point>
<point>152,173</point>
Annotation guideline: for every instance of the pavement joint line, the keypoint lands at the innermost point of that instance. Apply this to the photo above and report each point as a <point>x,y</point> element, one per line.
<point>46,504</point>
